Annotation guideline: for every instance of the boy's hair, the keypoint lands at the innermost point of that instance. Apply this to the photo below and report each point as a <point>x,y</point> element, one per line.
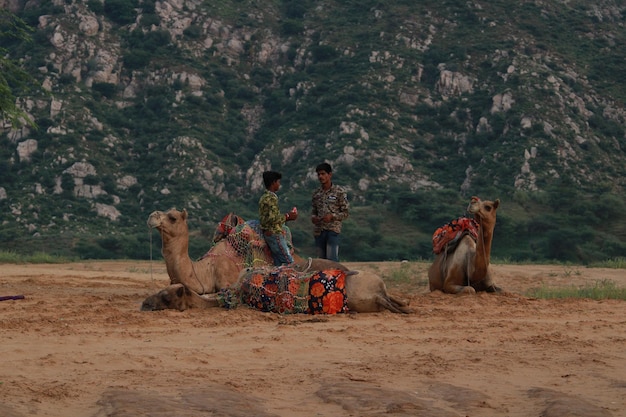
<point>324,166</point>
<point>270,176</point>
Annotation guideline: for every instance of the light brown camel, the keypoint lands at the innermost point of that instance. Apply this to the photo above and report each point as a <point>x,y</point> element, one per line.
<point>365,293</point>
<point>217,270</point>
<point>221,266</point>
<point>465,269</point>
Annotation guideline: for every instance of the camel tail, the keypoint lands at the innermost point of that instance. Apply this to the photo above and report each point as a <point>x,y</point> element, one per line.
<point>393,304</point>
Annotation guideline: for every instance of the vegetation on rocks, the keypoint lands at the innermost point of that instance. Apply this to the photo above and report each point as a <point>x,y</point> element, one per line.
<point>146,105</point>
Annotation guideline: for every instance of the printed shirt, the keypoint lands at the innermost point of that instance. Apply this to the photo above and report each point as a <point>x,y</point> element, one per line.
<point>334,201</point>
<point>271,218</point>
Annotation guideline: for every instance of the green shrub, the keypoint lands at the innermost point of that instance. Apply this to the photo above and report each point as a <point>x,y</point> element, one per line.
<point>107,90</point>
<point>136,59</point>
<point>150,19</point>
<point>323,53</point>
<point>290,27</point>
<point>96,6</point>
<point>121,11</point>
<point>193,31</point>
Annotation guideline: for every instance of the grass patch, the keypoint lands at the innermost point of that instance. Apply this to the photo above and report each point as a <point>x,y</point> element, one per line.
<point>615,263</point>
<point>136,270</point>
<point>402,275</point>
<point>600,290</point>
<point>408,274</point>
<point>8,257</point>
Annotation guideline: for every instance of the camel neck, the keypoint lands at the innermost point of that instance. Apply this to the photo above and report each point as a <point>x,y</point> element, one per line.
<point>176,255</point>
<point>483,249</point>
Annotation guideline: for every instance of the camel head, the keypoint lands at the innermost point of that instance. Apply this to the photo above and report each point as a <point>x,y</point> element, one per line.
<point>171,297</point>
<point>169,223</point>
<point>226,226</point>
<point>483,210</point>
<point>177,297</point>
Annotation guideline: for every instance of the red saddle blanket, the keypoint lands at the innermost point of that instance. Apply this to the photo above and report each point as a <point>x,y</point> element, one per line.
<point>284,290</point>
<point>450,233</point>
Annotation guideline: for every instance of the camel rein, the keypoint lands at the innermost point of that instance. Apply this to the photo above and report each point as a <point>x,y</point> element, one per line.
<point>151,276</point>
<point>481,236</point>
<point>197,279</point>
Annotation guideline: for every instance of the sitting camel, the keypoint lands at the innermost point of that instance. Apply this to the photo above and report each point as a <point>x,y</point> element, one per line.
<point>465,267</point>
<point>217,270</point>
<point>220,268</point>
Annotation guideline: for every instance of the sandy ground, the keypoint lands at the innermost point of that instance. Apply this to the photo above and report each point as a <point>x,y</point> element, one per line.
<point>78,346</point>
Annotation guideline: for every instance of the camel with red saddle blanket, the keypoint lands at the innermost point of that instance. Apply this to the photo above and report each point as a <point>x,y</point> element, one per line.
<point>220,269</point>
<point>463,258</point>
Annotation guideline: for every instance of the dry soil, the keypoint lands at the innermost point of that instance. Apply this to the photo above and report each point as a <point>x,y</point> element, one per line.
<point>78,346</point>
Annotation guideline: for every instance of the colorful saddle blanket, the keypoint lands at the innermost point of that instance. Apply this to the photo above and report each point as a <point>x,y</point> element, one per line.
<point>285,290</point>
<point>246,238</point>
<point>448,235</point>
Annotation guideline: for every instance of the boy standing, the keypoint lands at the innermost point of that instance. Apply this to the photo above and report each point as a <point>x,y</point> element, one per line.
<point>272,220</point>
<point>330,208</point>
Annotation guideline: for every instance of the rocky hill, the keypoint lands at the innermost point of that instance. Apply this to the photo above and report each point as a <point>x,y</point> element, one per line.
<point>146,105</point>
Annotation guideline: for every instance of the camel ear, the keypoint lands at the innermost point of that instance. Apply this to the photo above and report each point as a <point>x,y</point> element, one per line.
<point>184,214</point>
<point>496,203</point>
<point>180,291</point>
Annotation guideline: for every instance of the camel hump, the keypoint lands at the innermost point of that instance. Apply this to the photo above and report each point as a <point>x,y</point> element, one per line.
<point>319,264</point>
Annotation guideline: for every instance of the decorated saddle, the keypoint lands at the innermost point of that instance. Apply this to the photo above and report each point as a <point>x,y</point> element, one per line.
<point>246,237</point>
<point>285,290</point>
<point>448,236</point>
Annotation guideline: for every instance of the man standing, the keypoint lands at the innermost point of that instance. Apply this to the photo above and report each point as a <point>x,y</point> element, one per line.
<point>330,208</point>
<point>272,220</point>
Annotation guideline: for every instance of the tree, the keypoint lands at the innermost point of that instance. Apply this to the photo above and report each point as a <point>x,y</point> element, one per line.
<point>13,79</point>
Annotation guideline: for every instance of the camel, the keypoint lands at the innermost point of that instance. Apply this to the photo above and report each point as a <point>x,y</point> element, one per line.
<point>365,293</point>
<point>465,268</point>
<point>217,270</point>
<point>221,266</point>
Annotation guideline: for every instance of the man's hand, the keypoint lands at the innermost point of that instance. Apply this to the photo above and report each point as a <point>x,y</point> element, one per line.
<point>292,215</point>
<point>326,219</point>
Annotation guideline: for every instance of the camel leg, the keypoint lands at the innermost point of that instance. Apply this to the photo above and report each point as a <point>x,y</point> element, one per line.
<point>459,289</point>
<point>390,304</point>
<point>436,274</point>
<point>487,284</point>
<point>452,283</point>
<point>401,305</point>
<point>488,287</point>
<point>449,280</point>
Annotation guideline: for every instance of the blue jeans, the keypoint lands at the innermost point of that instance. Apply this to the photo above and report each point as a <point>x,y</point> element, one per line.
<point>327,244</point>
<point>280,250</point>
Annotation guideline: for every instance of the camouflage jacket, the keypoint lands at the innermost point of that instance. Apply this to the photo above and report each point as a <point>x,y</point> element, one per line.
<point>271,218</point>
<point>334,201</point>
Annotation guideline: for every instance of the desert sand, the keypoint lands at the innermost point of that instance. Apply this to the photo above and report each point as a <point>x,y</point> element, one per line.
<point>78,346</point>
